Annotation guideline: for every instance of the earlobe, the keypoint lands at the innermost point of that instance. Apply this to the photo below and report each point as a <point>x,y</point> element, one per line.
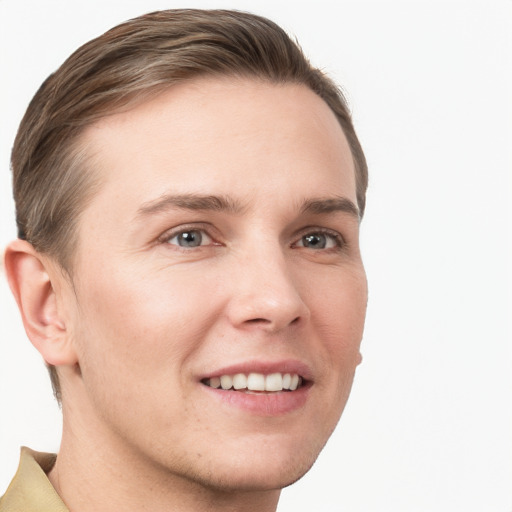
<point>35,293</point>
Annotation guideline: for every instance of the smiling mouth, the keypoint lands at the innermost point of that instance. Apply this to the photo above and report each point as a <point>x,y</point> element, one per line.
<point>256,382</point>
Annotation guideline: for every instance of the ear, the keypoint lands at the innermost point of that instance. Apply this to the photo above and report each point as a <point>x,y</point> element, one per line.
<point>35,293</point>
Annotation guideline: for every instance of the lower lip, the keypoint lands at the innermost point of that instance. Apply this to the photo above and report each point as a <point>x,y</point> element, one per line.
<point>263,404</point>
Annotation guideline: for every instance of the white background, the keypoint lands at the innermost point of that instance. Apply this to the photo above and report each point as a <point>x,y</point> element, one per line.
<point>429,423</point>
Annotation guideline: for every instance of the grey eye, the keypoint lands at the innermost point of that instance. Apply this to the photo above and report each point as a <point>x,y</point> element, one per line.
<point>190,238</point>
<point>315,241</point>
<point>319,240</point>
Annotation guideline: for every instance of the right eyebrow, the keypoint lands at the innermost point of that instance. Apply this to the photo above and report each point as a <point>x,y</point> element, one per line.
<point>189,202</point>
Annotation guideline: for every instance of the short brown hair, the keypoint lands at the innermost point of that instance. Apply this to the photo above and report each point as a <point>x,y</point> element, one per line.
<point>127,64</point>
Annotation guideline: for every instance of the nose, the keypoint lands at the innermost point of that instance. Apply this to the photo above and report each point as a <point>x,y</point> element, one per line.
<point>265,294</point>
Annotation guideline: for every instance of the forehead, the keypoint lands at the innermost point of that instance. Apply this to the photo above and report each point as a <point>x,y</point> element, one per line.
<point>221,135</point>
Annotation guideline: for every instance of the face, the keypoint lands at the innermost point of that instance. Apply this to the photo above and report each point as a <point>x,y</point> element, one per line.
<point>220,252</point>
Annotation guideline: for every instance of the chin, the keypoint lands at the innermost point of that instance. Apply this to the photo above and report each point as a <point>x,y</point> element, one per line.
<point>263,469</point>
<point>253,480</point>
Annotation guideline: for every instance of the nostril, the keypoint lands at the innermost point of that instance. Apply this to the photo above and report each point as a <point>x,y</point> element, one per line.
<point>266,321</point>
<point>258,320</point>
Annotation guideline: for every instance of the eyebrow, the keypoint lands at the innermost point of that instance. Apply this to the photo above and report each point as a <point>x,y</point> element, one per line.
<point>330,205</point>
<point>227,204</point>
<point>190,202</point>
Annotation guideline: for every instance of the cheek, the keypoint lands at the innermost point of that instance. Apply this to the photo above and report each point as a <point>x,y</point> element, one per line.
<point>338,318</point>
<point>135,339</point>
<point>142,326</point>
<point>339,302</point>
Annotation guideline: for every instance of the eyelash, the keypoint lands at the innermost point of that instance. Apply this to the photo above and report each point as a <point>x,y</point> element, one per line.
<point>337,238</point>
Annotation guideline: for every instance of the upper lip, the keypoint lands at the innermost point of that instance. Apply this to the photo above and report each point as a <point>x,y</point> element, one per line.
<point>264,367</point>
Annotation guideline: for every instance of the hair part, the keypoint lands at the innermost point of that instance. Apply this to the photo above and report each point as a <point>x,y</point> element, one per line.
<point>52,180</point>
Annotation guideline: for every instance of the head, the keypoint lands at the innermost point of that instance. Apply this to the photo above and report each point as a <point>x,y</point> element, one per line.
<point>137,124</point>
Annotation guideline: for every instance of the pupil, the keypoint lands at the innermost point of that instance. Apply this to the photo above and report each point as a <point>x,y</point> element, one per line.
<point>190,239</point>
<point>316,241</point>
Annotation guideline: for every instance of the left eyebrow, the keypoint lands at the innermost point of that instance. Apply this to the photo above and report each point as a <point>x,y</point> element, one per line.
<point>329,205</point>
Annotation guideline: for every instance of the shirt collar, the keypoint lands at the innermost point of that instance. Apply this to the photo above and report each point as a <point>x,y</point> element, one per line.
<point>30,488</point>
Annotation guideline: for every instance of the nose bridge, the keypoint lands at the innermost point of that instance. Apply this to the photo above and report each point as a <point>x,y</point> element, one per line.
<point>265,290</point>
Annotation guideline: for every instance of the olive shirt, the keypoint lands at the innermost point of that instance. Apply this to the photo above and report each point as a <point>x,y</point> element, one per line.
<point>30,489</point>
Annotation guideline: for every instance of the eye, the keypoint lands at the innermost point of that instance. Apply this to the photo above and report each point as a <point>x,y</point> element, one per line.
<point>190,238</point>
<point>320,240</point>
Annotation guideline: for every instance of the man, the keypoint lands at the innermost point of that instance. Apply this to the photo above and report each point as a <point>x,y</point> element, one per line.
<point>188,195</point>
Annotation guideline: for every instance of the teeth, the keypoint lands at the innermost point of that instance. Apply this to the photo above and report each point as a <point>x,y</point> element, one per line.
<point>239,381</point>
<point>256,382</point>
<point>215,382</point>
<point>226,382</point>
<point>274,382</point>
<point>295,382</point>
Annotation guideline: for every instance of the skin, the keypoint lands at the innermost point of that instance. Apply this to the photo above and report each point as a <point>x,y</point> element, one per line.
<point>145,319</point>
